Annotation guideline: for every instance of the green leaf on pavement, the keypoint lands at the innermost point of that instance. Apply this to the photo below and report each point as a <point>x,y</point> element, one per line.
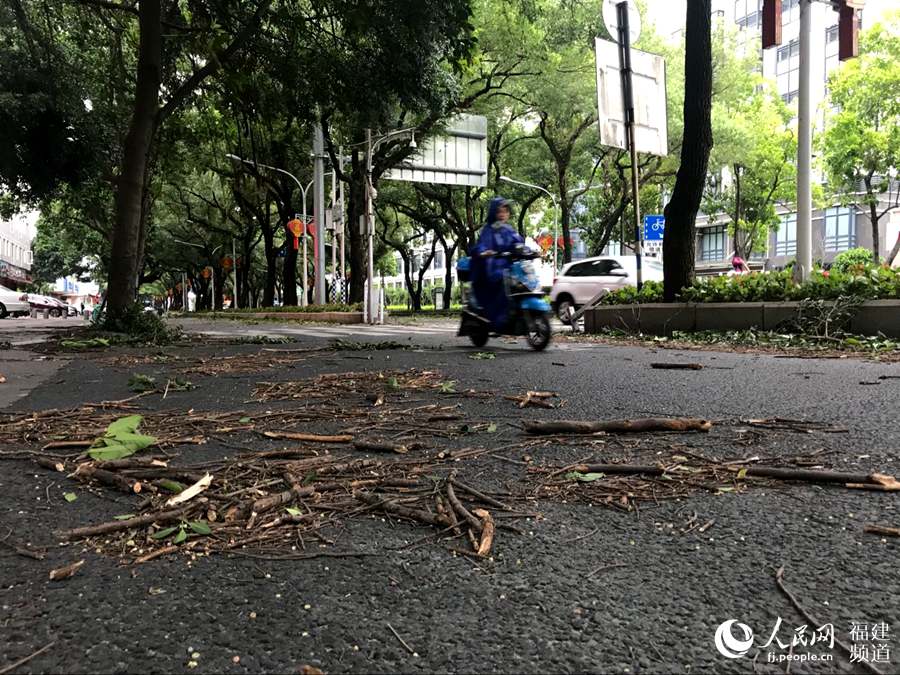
<point>180,537</point>
<point>585,477</point>
<point>124,516</point>
<point>200,527</point>
<point>171,485</point>
<point>742,473</point>
<point>244,420</point>
<point>483,356</point>
<point>492,428</point>
<point>294,511</point>
<point>70,496</point>
<point>165,532</point>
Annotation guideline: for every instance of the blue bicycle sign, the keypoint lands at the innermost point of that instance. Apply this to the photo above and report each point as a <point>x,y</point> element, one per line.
<point>654,226</point>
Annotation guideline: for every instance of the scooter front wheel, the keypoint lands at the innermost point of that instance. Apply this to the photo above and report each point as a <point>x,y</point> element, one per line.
<point>539,332</point>
<point>479,337</point>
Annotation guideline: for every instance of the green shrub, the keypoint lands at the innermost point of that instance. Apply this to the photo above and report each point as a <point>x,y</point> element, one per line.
<point>854,259</point>
<point>139,326</point>
<point>866,282</point>
<point>651,291</point>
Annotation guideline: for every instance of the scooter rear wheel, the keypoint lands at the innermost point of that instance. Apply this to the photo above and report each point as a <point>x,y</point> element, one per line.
<point>539,332</point>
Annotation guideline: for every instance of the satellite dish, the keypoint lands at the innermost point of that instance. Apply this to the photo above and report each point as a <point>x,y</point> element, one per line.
<point>611,19</point>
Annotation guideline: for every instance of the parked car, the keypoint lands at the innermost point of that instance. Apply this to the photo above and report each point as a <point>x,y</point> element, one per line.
<point>12,302</point>
<point>579,282</point>
<point>41,302</point>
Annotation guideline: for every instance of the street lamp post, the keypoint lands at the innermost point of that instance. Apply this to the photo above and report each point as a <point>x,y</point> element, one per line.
<point>371,194</point>
<point>303,192</point>
<point>555,212</point>
<point>213,276</point>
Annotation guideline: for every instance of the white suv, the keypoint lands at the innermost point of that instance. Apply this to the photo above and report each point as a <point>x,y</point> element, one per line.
<point>579,282</point>
<point>13,302</point>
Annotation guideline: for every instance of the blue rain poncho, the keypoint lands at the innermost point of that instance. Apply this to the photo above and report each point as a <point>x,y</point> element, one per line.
<point>487,273</point>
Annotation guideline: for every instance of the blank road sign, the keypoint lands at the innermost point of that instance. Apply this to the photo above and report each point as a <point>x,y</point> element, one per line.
<point>649,86</point>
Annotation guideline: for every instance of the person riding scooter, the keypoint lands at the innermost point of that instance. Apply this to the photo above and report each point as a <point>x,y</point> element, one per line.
<point>488,266</point>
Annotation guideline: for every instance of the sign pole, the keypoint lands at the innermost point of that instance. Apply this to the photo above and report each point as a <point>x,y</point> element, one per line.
<point>628,101</point>
<point>319,210</point>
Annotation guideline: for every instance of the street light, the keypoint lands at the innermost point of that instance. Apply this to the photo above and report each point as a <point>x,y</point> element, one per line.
<point>555,211</point>
<point>303,192</point>
<point>213,277</point>
<point>371,146</point>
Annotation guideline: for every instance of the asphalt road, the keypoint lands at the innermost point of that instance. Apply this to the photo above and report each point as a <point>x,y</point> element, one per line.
<point>652,604</point>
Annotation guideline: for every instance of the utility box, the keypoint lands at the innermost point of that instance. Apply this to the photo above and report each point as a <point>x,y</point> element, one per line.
<point>437,294</point>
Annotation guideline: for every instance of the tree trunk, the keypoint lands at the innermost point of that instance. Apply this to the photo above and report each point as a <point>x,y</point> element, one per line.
<point>356,208</point>
<point>681,211</point>
<point>565,213</point>
<point>130,189</point>
<point>271,253</point>
<point>894,251</point>
<point>872,198</point>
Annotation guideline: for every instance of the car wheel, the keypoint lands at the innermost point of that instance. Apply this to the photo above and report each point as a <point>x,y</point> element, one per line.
<point>563,305</point>
<point>3,312</point>
<point>55,313</point>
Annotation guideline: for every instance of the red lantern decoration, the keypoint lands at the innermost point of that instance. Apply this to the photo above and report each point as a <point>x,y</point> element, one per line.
<point>295,227</point>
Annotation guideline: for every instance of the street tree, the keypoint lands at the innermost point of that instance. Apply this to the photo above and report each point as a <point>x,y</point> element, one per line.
<point>681,211</point>
<point>861,142</point>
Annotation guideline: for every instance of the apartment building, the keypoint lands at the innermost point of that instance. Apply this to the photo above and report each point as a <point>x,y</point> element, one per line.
<point>16,236</point>
<point>835,228</point>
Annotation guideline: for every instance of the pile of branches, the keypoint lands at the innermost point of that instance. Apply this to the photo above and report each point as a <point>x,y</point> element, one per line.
<point>263,506</point>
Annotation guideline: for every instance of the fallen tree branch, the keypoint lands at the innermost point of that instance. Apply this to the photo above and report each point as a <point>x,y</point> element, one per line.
<point>310,438</point>
<point>457,505</point>
<point>480,495</point>
<point>880,529</point>
<point>404,511</point>
<point>641,425</point>
<point>119,525</point>
<point>676,366</point>
<point>487,532</point>
<point>367,446</point>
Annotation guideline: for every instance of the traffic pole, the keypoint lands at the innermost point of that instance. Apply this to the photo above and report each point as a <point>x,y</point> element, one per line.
<point>803,266</point>
<point>628,102</point>
<point>319,210</point>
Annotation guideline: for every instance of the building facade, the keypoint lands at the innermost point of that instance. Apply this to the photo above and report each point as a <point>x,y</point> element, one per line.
<point>16,236</point>
<point>835,228</point>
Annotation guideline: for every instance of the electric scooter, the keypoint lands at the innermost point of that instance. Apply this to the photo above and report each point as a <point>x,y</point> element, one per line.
<point>529,311</point>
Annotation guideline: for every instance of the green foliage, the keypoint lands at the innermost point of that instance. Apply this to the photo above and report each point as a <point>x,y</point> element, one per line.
<point>140,326</point>
<point>121,440</point>
<point>651,291</point>
<point>862,133</point>
<point>868,282</point>
<point>141,383</point>
<point>855,258</point>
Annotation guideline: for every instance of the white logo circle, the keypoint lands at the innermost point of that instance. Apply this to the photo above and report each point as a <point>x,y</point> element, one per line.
<point>729,646</point>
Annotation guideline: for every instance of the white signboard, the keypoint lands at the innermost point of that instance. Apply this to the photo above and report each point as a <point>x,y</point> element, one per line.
<point>458,157</point>
<point>649,86</point>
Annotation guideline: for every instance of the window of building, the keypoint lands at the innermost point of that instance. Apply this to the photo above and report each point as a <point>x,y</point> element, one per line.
<point>790,97</point>
<point>786,236</point>
<point>840,228</point>
<point>790,11</point>
<point>712,244</point>
<point>787,70</point>
<point>831,34</point>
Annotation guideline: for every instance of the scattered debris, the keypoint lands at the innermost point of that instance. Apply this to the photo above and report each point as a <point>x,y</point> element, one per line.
<point>618,426</point>
<point>483,356</point>
<point>677,366</point>
<point>880,529</point>
<point>535,398</point>
<point>65,572</point>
